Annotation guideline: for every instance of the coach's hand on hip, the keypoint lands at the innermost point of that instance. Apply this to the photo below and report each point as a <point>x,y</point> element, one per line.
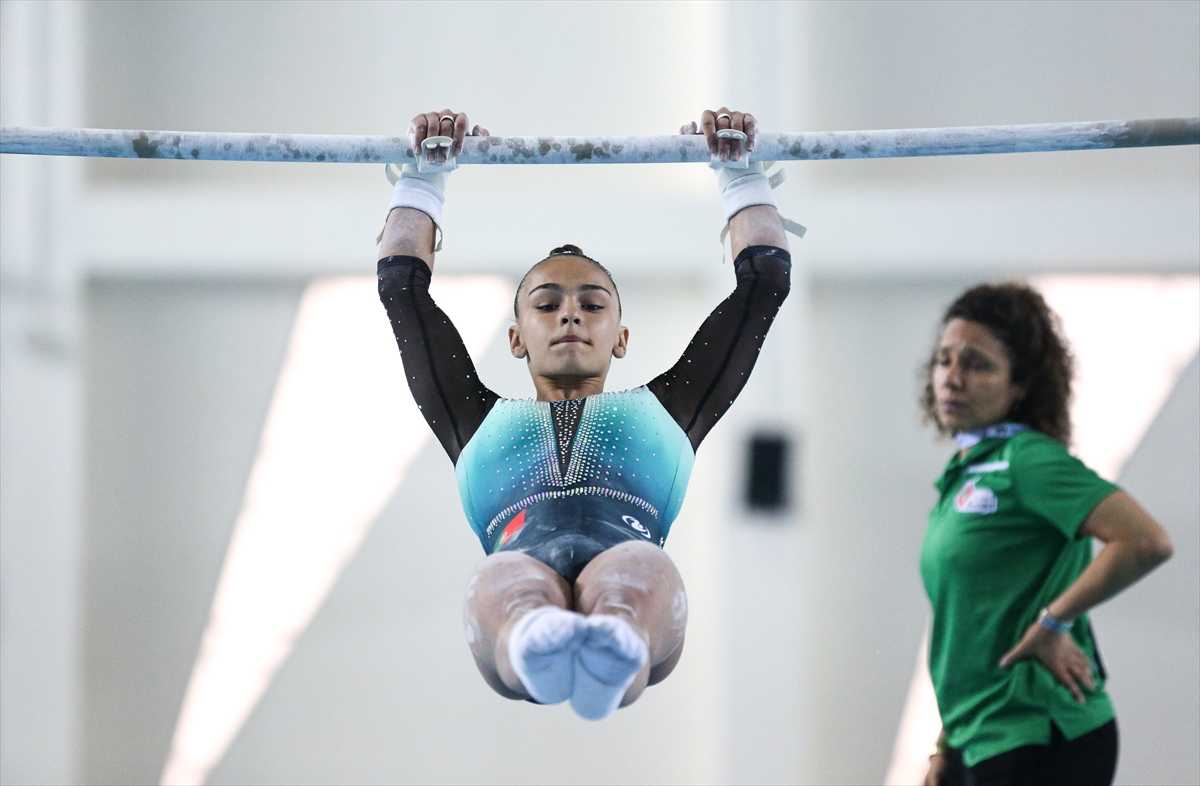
<point>1059,653</point>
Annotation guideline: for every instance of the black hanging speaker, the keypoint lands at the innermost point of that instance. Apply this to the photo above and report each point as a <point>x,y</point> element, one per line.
<point>767,473</point>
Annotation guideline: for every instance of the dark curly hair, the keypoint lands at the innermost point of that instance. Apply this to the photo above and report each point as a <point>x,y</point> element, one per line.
<point>565,250</point>
<point>1017,315</point>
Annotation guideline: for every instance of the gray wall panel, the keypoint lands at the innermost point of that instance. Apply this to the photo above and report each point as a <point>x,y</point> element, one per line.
<point>179,379</point>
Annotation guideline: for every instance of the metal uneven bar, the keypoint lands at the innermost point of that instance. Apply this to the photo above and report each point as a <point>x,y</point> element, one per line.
<point>815,145</point>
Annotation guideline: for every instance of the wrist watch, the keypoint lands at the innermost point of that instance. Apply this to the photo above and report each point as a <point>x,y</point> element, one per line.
<point>1053,624</point>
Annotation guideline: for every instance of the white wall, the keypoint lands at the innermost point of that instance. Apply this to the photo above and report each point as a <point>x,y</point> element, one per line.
<point>778,697</point>
<point>1150,636</point>
<point>40,401</point>
<point>942,63</point>
<point>179,376</point>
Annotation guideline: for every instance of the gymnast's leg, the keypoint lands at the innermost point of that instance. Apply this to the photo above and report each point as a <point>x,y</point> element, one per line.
<point>526,639</point>
<point>637,583</point>
<point>505,588</point>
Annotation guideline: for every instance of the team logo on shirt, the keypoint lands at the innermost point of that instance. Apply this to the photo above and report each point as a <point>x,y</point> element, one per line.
<point>631,521</point>
<point>511,529</point>
<point>973,498</point>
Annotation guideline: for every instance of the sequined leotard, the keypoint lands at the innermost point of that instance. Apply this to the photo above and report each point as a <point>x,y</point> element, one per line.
<point>564,480</point>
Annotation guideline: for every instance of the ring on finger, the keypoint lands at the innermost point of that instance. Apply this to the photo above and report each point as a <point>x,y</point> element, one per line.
<point>725,114</point>
<point>444,118</point>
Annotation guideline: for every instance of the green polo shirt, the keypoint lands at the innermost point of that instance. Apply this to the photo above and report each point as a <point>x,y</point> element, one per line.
<point>1001,545</point>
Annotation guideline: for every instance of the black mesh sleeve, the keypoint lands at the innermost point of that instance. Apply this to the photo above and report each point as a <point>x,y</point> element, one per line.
<point>700,388</point>
<point>440,373</point>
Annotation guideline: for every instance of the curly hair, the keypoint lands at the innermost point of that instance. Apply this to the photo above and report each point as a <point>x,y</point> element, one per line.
<point>565,250</point>
<point>1017,315</point>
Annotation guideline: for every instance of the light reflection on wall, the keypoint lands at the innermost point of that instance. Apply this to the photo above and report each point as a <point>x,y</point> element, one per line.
<point>339,435</point>
<point>1132,335</point>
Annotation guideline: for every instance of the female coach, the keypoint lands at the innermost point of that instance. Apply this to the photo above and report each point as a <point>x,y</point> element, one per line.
<point>1007,557</point>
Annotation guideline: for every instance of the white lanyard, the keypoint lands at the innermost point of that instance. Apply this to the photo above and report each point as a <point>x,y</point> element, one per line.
<point>969,439</point>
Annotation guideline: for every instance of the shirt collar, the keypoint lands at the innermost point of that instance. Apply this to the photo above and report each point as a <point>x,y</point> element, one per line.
<point>969,439</point>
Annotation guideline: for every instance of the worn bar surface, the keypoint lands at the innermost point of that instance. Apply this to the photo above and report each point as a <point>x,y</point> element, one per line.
<point>815,145</point>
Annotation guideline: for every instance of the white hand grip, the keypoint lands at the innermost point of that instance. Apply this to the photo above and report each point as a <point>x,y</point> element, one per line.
<point>437,143</point>
<point>741,163</point>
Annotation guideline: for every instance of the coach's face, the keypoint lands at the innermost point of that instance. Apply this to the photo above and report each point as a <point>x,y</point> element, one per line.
<point>972,377</point>
<point>568,324</point>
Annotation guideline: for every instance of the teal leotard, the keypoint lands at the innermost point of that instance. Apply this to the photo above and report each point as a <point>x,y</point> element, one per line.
<point>627,447</point>
<point>564,480</point>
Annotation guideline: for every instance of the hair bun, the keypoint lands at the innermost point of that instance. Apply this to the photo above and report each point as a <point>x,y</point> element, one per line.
<point>567,249</point>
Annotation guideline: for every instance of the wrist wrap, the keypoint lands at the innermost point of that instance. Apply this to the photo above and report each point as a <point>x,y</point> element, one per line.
<point>424,191</point>
<point>743,188</point>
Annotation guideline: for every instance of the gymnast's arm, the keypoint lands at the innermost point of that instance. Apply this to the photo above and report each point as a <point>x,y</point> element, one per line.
<point>700,388</point>
<point>438,368</point>
<point>439,371</point>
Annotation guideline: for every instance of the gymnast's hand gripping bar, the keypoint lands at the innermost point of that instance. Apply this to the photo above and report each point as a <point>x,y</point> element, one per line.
<point>807,146</point>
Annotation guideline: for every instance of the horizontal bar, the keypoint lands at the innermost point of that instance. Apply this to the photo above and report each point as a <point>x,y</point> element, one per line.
<point>812,145</point>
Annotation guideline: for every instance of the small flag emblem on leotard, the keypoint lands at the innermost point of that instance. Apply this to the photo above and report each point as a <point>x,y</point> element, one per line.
<point>511,529</point>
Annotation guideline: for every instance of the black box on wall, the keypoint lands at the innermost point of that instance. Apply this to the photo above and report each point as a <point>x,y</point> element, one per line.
<point>767,473</point>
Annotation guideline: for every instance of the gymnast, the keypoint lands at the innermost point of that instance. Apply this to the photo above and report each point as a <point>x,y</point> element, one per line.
<point>572,494</point>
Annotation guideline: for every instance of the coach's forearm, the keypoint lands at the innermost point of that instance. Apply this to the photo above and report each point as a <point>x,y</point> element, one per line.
<point>758,225</point>
<point>1134,545</point>
<point>408,232</point>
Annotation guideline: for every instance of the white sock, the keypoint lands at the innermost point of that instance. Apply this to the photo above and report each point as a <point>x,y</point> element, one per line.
<point>611,656</point>
<point>542,648</point>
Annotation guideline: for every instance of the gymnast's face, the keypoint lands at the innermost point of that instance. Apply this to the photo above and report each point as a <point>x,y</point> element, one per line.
<point>972,377</point>
<point>569,322</point>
